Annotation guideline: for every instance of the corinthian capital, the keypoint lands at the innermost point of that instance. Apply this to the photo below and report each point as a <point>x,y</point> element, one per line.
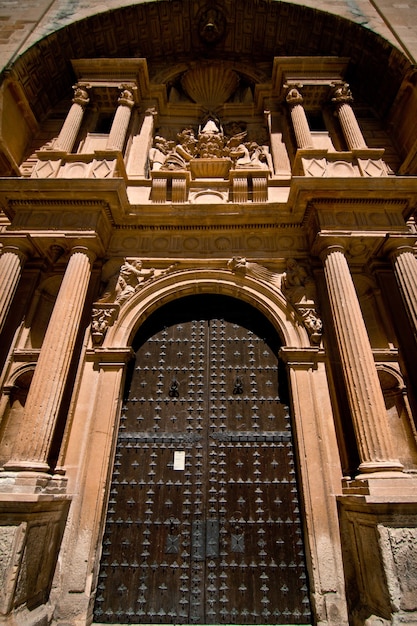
<point>81,95</point>
<point>126,97</point>
<point>342,94</point>
<point>294,97</point>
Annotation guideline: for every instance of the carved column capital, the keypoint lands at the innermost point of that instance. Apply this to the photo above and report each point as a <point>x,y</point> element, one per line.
<point>329,247</point>
<point>21,251</point>
<point>84,250</point>
<point>342,94</point>
<point>397,244</point>
<point>294,97</point>
<point>126,97</point>
<point>81,96</point>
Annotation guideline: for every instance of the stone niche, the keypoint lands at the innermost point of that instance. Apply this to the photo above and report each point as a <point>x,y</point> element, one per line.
<point>379,543</point>
<point>31,530</point>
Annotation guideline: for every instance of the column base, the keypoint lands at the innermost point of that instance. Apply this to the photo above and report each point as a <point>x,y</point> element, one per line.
<point>26,466</point>
<point>383,487</point>
<point>31,483</point>
<point>378,467</point>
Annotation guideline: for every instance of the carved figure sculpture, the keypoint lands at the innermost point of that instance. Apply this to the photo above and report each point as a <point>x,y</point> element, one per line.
<point>130,278</point>
<point>240,265</point>
<point>296,284</point>
<point>211,142</point>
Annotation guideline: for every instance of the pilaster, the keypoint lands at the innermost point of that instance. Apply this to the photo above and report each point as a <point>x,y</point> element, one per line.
<point>141,145</point>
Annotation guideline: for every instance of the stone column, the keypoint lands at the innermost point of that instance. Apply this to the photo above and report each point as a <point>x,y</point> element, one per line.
<point>299,120</point>
<point>361,379</point>
<point>12,259</point>
<point>141,145</point>
<point>121,120</point>
<point>48,383</point>
<point>404,262</point>
<point>342,99</point>
<point>69,131</point>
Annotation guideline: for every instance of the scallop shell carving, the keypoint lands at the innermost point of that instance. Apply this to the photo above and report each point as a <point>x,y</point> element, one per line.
<point>210,85</point>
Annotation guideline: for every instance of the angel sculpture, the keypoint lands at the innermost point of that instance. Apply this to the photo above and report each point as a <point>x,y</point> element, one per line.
<point>240,265</point>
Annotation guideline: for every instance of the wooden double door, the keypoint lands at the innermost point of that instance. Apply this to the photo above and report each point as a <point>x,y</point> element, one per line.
<point>203,523</point>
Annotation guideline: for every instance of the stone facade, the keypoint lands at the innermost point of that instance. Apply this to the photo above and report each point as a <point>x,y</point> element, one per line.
<point>263,151</point>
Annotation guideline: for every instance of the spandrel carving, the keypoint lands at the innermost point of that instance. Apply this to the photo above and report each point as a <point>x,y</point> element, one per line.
<point>131,277</point>
<point>296,285</point>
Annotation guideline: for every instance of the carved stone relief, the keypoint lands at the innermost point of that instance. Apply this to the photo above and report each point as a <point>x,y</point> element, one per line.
<point>121,286</point>
<point>296,285</point>
<point>215,242</point>
<point>211,142</point>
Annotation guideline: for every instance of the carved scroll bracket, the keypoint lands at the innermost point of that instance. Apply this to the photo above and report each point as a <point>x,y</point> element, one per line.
<point>103,316</point>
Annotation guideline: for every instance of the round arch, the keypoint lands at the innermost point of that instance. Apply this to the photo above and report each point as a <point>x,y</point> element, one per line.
<point>195,282</point>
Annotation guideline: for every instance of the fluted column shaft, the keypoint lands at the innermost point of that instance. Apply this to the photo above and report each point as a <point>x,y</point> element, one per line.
<point>12,260</point>
<point>404,263</point>
<point>299,120</point>
<point>71,127</point>
<point>121,121</point>
<point>48,383</point>
<point>361,379</point>
<point>348,122</point>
